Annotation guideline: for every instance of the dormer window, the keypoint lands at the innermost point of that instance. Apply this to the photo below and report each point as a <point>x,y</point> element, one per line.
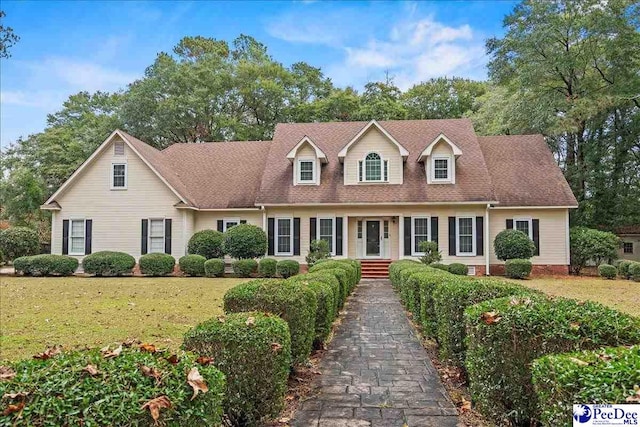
<point>119,176</point>
<point>306,158</point>
<point>375,169</point>
<point>439,159</point>
<point>306,171</point>
<point>441,168</point>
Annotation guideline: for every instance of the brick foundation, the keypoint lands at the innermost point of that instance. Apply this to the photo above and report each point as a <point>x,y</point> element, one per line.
<point>537,270</point>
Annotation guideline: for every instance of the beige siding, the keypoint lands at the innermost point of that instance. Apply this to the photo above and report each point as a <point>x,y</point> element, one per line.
<point>373,141</point>
<point>635,240</point>
<point>553,233</point>
<point>306,151</point>
<point>117,214</point>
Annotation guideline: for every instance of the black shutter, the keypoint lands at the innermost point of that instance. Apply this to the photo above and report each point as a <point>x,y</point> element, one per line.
<point>407,235</point>
<point>144,238</point>
<point>88,229</point>
<point>220,225</point>
<point>452,235</point>
<point>339,236</point>
<point>434,229</point>
<point>270,235</point>
<point>509,224</point>
<point>479,235</point>
<point>243,221</point>
<point>65,237</point>
<point>536,235</point>
<point>360,171</point>
<point>296,236</point>
<point>312,229</point>
<point>167,236</point>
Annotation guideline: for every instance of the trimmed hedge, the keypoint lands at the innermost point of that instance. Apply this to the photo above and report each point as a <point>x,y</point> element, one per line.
<point>214,267</point>
<point>46,265</point>
<point>245,241</point>
<point>513,244</point>
<point>192,265</point>
<point>409,294</point>
<point>517,268</point>
<point>16,242</point>
<point>623,268</point>
<point>458,269</point>
<point>634,271</point>
<point>254,352</point>
<point>505,335</point>
<point>607,271</point>
<point>325,312</point>
<point>295,303</point>
<point>244,267</point>
<point>156,264</point>
<point>108,263</point>
<point>450,299</point>
<point>348,266</point>
<point>328,277</point>
<point>439,266</point>
<point>605,376</point>
<point>207,243</point>
<point>286,268</point>
<point>396,267</point>
<point>267,267</point>
<point>62,391</point>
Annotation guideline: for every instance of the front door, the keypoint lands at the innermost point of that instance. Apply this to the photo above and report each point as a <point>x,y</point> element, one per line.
<point>373,238</point>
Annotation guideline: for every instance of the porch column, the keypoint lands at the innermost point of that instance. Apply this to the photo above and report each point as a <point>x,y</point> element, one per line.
<point>400,236</point>
<point>345,236</point>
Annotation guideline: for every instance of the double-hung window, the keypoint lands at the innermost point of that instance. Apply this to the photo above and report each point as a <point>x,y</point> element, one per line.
<point>326,231</point>
<point>156,235</point>
<point>627,247</point>
<point>306,171</point>
<point>420,233</point>
<point>229,222</point>
<point>466,236</point>
<point>76,236</point>
<point>524,225</point>
<point>119,176</point>
<point>284,245</point>
<point>441,168</point>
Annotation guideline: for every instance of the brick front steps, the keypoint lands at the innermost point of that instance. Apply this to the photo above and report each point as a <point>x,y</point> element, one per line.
<point>375,268</point>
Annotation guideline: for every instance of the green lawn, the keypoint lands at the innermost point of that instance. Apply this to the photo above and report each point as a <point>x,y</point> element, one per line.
<point>78,312</point>
<point>623,295</point>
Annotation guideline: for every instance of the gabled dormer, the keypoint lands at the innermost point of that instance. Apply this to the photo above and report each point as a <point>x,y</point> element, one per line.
<point>307,159</point>
<point>439,159</point>
<point>373,156</point>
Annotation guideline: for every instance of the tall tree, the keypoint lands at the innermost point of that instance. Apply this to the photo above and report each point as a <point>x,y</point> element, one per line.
<point>442,98</point>
<point>7,37</point>
<point>381,101</point>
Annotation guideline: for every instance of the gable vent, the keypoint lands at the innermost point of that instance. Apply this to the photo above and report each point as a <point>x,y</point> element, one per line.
<point>118,148</point>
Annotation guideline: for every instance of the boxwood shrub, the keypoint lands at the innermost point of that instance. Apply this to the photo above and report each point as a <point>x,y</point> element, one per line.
<point>267,267</point>
<point>330,279</point>
<point>517,268</point>
<point>505,335</point>
<point>61,390</point>
<point>396,267</point>
<point>458,268</point>
<point>405,289</point>
<point>605,376</point>
<point>623,268</point>
<point>192,265</point>
<point>349,269</point>
<point>286,268</point>
<point>108,263</point>
<point>450,299</point>
<point>46,265</point>
<point>254,352</point>
<point>326,311</point>
<point>426,282</point>
<point>245,241</point>
<point>156,264</point>
<point>207,243</point>
<point>439,266</point>
<point>607,271</point>
<point>513,244</point>
<point>16,242</point>
<point>214,267</point>
<point>244,267</point>
<point>295,303</point>
<point>341,276</point>
<point>634,271</point>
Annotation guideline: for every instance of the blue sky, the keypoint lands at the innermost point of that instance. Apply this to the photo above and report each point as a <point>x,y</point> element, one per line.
<point>66,47</point>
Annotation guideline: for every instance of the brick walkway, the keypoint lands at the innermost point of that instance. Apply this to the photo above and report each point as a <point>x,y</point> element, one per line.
<point>375,372</point>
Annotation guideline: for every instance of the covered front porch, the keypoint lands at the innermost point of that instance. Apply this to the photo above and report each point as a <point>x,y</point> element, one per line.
<point>373,237</point>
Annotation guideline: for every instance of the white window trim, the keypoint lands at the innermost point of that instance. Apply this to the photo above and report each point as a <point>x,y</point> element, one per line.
<point>164,234</point>
<point>84,236</point>
<point>314,162</point>
<point>333,231</point>
<point>523,219</point>
<point>364,168</point>
<point>449,169</point>
<point>473,236</point>
<point>126,175</point>
<point>225,221</point>
<point>413,233</point>
<point>277,235</point>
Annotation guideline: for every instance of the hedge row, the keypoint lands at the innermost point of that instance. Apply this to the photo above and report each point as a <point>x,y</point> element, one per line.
<point>110,387</point>
<point>629,270</point>
<point>45,265</point>
<point>496,329</point>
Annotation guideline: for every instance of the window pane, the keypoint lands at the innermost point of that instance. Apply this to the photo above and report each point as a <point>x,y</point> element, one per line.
<point>118,175</point>
<point>156,244</point>
<point>77,228</point>
<point>441,168</point>
<point>386,229</point>
<point>628,247</point>
<point>359,229</point>
<point>326,232</point>
<point>466,244</point>
<point>284,235</point>
<point>306,171</point>
<point>373,167</point>
<point>465,235</point>
<point>229,224</point>
<point>421,232</point>
<point>77,245</point>
<point>156,228</point>
<point>523,226</point>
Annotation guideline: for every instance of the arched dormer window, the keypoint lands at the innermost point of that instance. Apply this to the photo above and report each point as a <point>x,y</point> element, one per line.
<point>373,169</point>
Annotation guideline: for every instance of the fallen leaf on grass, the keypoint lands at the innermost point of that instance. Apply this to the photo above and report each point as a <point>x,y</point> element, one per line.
<point>490,317</point>
<point>195,380</point>
<point>574,326</point>
<point>284,420</point>
<point>130,341</point>
<point>578,361</point>
<point>148,348</point>
<point>221,319</point>
<point>15,395</point>
<point>91,370</point>
<point>108,353</point>
<point>634,398</point>
<point>151,373</point>
<point>173,359</point>
<point>604,357</point>
<point>251,321</point>
<point>154,406</point>
<point>13,408</point>
<point>465,406</point>
<point>48,353</point>
<point>204,360</point>
<point>6,373</point>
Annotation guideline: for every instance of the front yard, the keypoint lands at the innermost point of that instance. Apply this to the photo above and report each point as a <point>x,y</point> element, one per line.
<point>623,295</point>
<point>78,312</point>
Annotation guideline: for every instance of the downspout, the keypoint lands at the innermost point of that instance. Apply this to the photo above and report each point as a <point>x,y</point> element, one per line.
<point>486,240</point>
<point>264,218</point>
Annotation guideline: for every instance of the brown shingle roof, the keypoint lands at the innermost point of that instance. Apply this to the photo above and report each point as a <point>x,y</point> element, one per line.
<point>472,178</point>
<point>524,172</point>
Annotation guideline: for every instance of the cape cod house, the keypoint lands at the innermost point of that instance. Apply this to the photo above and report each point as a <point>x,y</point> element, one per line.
<point>373,190</point>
